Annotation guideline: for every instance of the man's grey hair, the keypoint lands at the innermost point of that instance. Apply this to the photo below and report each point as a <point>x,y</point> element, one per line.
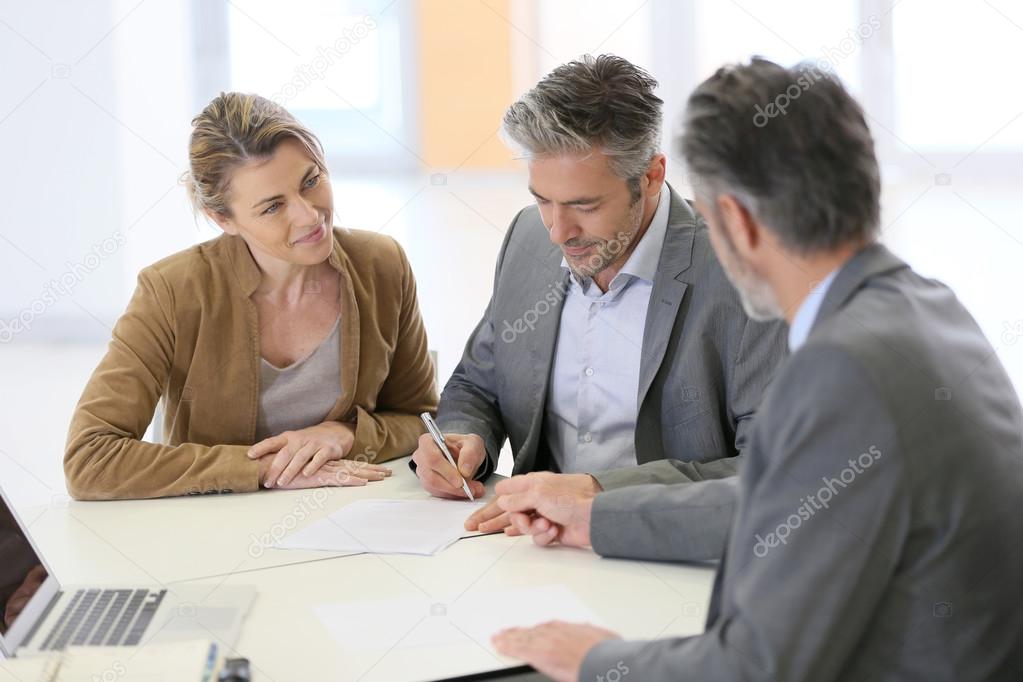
<point>792,146</point>
<point>603,101</point>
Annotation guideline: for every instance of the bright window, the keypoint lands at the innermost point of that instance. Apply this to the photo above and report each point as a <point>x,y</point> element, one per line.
<point>786,33</point>
<point>956,74</point>
<point>335,64</point>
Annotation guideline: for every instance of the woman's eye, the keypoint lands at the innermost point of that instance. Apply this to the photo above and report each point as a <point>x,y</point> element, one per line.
<point>313,181</point>
<point>272,208</point>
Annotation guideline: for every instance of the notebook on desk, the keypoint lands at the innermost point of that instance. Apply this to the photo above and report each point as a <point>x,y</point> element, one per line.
<point>194,661</point>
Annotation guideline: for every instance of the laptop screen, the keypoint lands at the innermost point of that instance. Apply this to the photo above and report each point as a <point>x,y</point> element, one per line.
<point>21,570</point>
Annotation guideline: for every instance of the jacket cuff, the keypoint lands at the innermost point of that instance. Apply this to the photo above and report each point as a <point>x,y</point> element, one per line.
<point>618,478</point>
<point>247,475</point>
<point>606,537</point>
<point>233,472</point>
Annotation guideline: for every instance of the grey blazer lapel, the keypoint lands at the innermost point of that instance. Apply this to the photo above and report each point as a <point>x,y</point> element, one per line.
<point>548,277</point>
<point>668,290</point>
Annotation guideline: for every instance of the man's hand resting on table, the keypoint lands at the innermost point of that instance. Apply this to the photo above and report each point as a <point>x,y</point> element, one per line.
<point>493,518</point>
<point>557,649</point>
<point>542,505</point>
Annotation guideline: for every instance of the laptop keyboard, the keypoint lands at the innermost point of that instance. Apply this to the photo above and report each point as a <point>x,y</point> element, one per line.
<point>104,618</point>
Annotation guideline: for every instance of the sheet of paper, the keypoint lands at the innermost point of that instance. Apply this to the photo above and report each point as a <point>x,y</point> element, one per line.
<point>471,618</point>
<point>386,527</point>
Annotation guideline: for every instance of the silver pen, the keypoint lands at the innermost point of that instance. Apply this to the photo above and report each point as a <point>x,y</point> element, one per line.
<point>438,438</point>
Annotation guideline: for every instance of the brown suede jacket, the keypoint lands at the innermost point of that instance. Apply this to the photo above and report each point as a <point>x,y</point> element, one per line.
<point>190,336</point>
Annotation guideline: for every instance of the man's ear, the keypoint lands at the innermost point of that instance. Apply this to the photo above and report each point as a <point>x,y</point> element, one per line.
<point>222,221</point>
<point>655,174</point>
<point>743,231</point>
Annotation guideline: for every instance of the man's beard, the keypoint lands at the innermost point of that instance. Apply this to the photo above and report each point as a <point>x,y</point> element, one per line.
<point>607,251</point>
<point>758,300</point>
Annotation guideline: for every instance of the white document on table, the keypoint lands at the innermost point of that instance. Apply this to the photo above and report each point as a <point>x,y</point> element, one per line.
<point>474,617</point>
<point>422,527</point>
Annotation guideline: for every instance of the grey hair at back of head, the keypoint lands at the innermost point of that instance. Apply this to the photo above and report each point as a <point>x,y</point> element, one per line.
<point>792,145</point>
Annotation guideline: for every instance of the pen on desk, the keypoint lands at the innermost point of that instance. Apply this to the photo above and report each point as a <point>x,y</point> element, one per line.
<point>438,438</point>
<point>211,662</point>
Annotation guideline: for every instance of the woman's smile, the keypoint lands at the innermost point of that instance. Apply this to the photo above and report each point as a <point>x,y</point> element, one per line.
<point>312,237</point>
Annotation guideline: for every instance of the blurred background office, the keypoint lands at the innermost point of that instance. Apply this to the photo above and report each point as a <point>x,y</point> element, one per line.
<point>407,97</point>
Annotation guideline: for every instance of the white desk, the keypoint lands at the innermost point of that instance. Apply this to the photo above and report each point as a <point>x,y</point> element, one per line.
<point>191,539</point>
<point>285,640</point>
<point>182,538</point>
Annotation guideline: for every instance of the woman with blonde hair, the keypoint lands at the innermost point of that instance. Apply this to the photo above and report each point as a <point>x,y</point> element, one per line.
<point>288,352</point>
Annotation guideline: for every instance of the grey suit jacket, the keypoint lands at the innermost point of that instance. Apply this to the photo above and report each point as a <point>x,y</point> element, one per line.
<point>703,369</point>
<point>878,534</point>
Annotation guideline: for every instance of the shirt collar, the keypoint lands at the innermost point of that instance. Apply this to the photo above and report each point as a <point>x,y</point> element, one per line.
<point>643,261</point>
<point>647,254</point>
<point>807,313</point>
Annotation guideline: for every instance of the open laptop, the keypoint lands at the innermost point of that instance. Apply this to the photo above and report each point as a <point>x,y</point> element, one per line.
<point>38,615</point>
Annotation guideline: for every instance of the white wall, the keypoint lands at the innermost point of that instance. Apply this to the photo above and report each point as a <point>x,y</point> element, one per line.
<point>94,140</point>
<point>60,175</point>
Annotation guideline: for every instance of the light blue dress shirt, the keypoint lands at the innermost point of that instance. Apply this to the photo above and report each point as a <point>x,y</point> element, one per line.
<point>807,313</point>
<point>592,399</point>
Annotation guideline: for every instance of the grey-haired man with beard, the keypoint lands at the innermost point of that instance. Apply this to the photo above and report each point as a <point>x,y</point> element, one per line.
<point>877,535</point>
<point>614,350</point>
